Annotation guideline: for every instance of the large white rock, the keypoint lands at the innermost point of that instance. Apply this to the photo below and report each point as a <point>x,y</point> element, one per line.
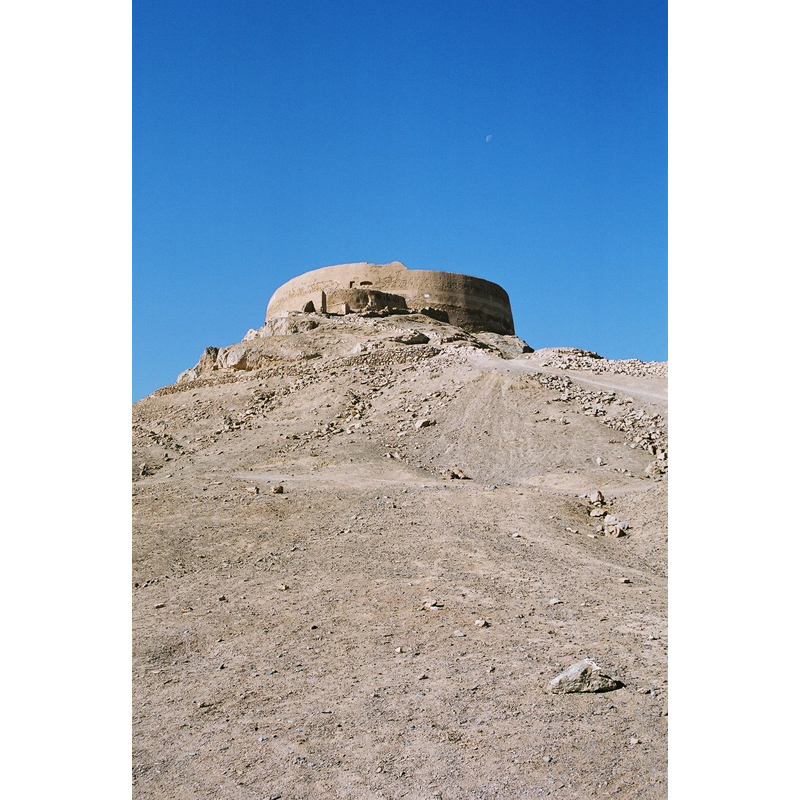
<point>583,677</point>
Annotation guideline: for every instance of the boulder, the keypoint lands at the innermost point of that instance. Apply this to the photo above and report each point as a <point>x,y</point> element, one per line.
<point>286,326</point>
<point>412,337</point>
<point>585,676</point>
<point>233,357</point>
<point>614,527</point>
<point>506,346</point>
<point>206,364</point>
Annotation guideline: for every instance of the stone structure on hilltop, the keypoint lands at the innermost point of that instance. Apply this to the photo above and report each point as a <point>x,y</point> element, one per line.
<point>470,303</point>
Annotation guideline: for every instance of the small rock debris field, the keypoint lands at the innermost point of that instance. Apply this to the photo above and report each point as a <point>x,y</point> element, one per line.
<point>365,547</point>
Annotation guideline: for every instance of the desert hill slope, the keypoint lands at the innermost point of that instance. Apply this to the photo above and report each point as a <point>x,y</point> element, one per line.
<point>321,641</point>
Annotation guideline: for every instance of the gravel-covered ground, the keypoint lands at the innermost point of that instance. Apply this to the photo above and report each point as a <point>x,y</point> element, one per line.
<point>321,641</point>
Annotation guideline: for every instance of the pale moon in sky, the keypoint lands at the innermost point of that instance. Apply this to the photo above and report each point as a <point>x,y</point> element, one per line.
<point>488,137</point>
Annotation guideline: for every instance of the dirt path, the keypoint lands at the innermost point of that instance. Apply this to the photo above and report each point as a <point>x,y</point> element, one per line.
<point>651,390</point>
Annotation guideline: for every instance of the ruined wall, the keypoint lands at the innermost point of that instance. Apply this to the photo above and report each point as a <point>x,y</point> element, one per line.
<point>471,303</point>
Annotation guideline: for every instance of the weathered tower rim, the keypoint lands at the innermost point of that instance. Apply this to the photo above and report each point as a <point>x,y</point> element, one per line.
<point>471,303</point>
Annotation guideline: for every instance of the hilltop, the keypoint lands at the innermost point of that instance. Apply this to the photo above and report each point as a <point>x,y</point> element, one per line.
<point>364,545</point>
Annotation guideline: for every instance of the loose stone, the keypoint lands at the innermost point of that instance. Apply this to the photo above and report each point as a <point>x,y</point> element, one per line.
<point>584,676</point>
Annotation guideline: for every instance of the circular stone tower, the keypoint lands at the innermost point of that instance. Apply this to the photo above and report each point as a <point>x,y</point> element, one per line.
<point>470,303</point>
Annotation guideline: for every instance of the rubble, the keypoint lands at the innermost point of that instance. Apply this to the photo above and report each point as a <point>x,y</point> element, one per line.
<point>645,430</point>
<point>575,359</point>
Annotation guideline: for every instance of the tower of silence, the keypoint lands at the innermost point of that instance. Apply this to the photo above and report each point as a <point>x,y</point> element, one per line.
<point>473,304</point>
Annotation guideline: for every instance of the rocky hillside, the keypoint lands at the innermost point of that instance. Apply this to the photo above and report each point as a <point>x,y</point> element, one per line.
<point>363,548</point>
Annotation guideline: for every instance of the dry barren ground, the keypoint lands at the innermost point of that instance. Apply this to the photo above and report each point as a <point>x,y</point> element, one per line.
<point>322,642</point>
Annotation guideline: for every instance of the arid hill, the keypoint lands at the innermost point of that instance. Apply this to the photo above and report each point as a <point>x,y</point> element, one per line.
<point>365,545</point>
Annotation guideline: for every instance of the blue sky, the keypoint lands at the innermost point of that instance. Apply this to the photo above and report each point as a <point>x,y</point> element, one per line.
<point>271,138</point>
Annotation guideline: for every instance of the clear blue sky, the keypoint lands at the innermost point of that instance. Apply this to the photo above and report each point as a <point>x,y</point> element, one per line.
<point>272,137</point>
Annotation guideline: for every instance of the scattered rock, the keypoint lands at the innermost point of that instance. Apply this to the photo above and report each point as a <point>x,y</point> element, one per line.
<point>459,633</point>
<point>507,346</point>
<point>287,325</point>
<point>481,623</point>
<point>613,527</point>
<point>556,602</point>
<point>252,489</point>
<point>412,337</point>
<point>424,423</point>
<point>278,489</point>
<point>585,676</point>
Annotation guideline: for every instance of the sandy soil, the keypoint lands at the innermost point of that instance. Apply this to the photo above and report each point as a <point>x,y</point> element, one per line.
<point>322,642</point>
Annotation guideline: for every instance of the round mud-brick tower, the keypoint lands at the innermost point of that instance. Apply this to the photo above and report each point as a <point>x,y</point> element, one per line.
<point>470,303</point>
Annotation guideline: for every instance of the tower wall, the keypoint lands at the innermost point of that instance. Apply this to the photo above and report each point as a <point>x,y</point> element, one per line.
<point>473,304</point>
